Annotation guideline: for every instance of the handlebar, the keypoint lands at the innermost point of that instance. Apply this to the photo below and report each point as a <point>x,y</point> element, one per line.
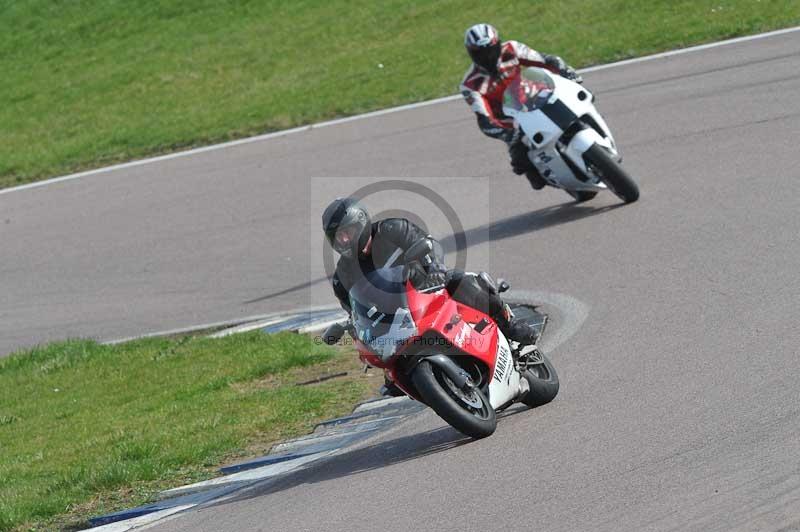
<point>335,331</point>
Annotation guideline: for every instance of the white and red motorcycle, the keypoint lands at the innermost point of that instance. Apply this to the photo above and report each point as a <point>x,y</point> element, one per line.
<point>442,352</point>
<point>570,143</point>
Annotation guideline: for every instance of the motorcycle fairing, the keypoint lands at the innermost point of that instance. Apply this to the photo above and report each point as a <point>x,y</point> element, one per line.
<point>441,320</point>
<point>504,386</point>
<point>455,323</point>
<point>545,122</point>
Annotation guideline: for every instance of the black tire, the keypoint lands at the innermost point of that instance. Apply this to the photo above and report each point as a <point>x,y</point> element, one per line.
<point>543,381</point>
<point>475,423</point>
<point>582,195</point>
<point>612,174</point>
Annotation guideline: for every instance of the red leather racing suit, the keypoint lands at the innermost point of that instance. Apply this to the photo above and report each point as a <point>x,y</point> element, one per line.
<point>483,91</point>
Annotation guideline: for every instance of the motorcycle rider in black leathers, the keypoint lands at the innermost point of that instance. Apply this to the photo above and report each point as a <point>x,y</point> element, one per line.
<point>365,246</point>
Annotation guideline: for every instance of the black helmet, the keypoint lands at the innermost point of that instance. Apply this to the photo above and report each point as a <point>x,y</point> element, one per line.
<point>347,226</point>
<point>483,45</point>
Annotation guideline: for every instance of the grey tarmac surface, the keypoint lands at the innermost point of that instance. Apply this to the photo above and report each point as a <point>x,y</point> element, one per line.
<point>679,407</point>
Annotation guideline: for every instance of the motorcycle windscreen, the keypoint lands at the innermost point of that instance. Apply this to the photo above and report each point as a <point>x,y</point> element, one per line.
<point>380,314</point>
<point>530,90</point>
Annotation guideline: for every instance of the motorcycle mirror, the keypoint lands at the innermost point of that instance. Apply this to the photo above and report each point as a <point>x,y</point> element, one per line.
<point>333,333</point>
<point>419,249</point>
<point>502,286</point>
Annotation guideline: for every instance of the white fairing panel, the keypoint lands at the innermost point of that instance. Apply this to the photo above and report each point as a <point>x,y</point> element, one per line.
<point>504,386</point>
<point>579,144</point>
<point>539,126</point>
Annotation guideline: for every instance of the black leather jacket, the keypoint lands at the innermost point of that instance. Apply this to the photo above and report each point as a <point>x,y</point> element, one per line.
<point>390,239</point>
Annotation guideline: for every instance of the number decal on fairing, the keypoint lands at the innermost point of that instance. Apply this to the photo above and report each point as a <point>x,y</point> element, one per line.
<point>461,336</point>
<point>386,344</point>
<point>546,172</point>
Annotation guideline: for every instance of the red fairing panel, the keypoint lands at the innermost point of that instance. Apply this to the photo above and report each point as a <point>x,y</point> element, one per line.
<point>436,313</point>
<point>398,380</point>
<point>367,356</point>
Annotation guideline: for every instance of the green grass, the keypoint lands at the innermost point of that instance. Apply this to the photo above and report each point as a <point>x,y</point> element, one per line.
<point>89,82</point>
<point>87,428</point>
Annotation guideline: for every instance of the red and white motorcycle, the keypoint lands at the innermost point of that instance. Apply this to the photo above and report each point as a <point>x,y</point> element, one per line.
<point>570,143</point>
<point>441,352</point>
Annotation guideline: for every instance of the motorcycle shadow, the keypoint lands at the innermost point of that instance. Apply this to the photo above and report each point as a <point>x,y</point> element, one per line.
<point>514,409</point>
<point>372,457</point>
<point>524,223</point>
<point>510,227</point>
<point>375,456</point>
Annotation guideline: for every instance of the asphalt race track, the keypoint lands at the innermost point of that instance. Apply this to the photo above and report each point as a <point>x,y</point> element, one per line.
<point>679,407</point>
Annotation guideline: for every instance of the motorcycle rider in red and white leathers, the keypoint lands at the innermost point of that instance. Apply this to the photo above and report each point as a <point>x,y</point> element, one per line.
<point>494,65</point>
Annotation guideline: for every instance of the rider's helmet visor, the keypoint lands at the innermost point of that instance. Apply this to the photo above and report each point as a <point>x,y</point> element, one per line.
<point>486,57</point>
<point>346,238</point>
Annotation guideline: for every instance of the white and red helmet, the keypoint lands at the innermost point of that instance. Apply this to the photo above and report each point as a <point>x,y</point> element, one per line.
<point>483,45</point>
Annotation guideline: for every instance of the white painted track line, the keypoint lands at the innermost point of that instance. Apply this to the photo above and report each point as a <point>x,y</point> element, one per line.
<point>136,522</point>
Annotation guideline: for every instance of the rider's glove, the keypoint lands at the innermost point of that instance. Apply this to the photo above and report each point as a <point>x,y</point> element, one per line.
<point>555,62</point>
<point>564,70</point>
<point>570,73</point>
<point>429,276</point>
<point>435,274</point>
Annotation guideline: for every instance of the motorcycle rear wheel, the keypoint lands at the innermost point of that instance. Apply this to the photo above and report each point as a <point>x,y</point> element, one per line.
<point>469,413</point>
<point>543,381</point>
<point>612,174</point>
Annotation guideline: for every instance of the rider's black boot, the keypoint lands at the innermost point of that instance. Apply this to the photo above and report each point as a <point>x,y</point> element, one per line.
<point>521,164</point>
<point>520,331</point>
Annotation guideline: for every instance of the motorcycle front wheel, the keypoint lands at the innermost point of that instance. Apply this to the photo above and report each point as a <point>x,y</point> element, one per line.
<point>469,412</point>
<point>611,173</point>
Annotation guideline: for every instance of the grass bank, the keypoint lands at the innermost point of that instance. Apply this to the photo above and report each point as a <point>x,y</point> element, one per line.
<point>87,428</point>
<point>92,82</point>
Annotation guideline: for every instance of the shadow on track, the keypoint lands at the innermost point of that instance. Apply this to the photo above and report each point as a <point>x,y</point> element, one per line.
<point>507,228</point>
<point>360,460</point>
<point>369,458</point>
<point>289,290</point>
<point>529,222</point>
